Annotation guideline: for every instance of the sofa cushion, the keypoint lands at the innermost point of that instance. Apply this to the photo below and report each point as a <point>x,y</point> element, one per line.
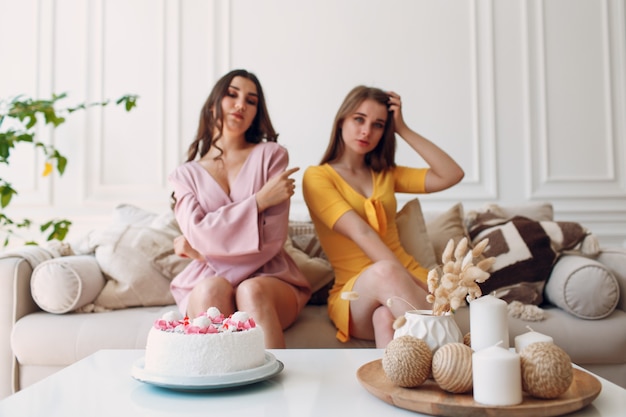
<point>582,287</point>
<point>305,249</point>
<point>446,226</point>
<point>130,214</point>
<point>566,237</point>
<point>68,338</point>
<point>136,256</point>
<point>535,211</point>
<point>313,329</point>
<point>71,337</point>
<point>525,248</point>
<point>317,270</point>
<point>524,258</point>
<point>67,283</point>
<point>414,235</point>
<point>304,238</point>
<point>615,259</point>
<point>585,341</point>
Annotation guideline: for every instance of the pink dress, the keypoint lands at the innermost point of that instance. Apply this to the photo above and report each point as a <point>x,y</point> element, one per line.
<point>236,240</point>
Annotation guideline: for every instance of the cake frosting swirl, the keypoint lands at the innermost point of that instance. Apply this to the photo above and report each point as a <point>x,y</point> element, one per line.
<point>210,344</point>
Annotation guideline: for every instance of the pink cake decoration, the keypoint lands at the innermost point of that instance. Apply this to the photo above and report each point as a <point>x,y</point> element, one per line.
<point>210,321</point>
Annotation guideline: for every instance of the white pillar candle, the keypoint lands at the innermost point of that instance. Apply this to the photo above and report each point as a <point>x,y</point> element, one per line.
<point>497,376</point>
<point>532,336</point>
<point>489,323</point>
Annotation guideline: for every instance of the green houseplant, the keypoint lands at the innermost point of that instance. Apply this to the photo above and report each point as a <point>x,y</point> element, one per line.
<point>19,117</point>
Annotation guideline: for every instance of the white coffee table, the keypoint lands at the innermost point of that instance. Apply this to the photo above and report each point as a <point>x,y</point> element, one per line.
<point>315,382</point>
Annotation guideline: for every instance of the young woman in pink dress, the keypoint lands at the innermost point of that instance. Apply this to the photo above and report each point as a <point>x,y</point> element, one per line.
<point>351,198</point>
<point>232,201</point>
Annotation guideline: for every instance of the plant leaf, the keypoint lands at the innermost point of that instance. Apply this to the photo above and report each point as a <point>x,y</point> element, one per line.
<point>61,164</point>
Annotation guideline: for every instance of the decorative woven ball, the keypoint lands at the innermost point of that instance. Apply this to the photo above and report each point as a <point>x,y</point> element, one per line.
<point>407,361</point>
<point>546,370</point>
<point>467,339</point>
<point>452,367</point>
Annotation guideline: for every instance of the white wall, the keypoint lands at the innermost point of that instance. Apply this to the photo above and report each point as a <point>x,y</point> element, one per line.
<point>528,95</point>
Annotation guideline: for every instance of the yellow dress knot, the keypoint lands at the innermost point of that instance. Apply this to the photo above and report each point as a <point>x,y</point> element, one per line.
<point>376,216</point>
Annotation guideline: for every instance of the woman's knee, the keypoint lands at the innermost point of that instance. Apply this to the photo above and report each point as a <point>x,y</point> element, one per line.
<point>214,287</point>
<point>253,291</point>
<point>389,270</point>
<point>382,321</point>
<point>211,292</point>
<point>382,316</point>
<point>268,294</point>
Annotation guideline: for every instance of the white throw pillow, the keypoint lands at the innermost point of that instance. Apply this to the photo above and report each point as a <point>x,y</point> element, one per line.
<point>126,256</point>
<point>132,215</point>
<point>136,256</point>
<point>582,287</point>
<point>67,283</point>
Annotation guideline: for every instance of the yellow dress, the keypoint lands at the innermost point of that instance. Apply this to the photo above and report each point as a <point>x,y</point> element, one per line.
<point>328,197</point>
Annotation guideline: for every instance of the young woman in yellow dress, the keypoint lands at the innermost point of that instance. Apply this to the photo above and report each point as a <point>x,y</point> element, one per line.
<point>351,200</point>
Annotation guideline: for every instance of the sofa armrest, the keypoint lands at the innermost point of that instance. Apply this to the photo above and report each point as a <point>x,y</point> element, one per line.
<point>15,302</point>
<point>614,258</point>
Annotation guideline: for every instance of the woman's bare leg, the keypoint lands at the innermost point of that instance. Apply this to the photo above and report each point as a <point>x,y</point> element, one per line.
<point>272,303</point>
<point>382,320</point>
<point>370,317</point>
<point>211,292</point>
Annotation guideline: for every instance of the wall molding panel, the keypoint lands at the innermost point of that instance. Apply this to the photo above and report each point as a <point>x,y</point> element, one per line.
<point>34,190</point>
<point>156,129</point>
<point>553,176</point>
<point>528,95</point>
<point>484,186</point>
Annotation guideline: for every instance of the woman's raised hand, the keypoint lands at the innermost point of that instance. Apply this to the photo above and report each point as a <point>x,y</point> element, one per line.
<point>395,105</point>
<point>276,190</point>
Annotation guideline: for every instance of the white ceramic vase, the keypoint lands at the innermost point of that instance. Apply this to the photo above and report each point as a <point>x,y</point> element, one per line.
<point>436,331</point>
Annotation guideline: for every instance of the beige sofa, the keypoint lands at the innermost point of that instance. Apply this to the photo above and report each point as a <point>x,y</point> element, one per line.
<point>35,343</point>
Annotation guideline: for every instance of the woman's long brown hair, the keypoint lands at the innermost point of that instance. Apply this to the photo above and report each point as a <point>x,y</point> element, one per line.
<point>383,156</point>
<point>211,117</point>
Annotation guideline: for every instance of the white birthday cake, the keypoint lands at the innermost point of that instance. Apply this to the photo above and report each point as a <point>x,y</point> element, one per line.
<point>210,344</point>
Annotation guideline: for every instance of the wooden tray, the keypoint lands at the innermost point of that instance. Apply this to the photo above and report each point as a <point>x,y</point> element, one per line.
<point>430,399</point>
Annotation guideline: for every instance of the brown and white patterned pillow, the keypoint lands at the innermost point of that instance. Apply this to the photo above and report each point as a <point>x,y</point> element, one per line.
<point>303,237</point>
<point>524,258</point>
<point>316,270</point>
<point>525,252</point>
<point>304,247</point>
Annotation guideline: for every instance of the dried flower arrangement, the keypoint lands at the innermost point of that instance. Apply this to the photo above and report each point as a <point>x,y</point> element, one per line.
<point>460,277</point>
